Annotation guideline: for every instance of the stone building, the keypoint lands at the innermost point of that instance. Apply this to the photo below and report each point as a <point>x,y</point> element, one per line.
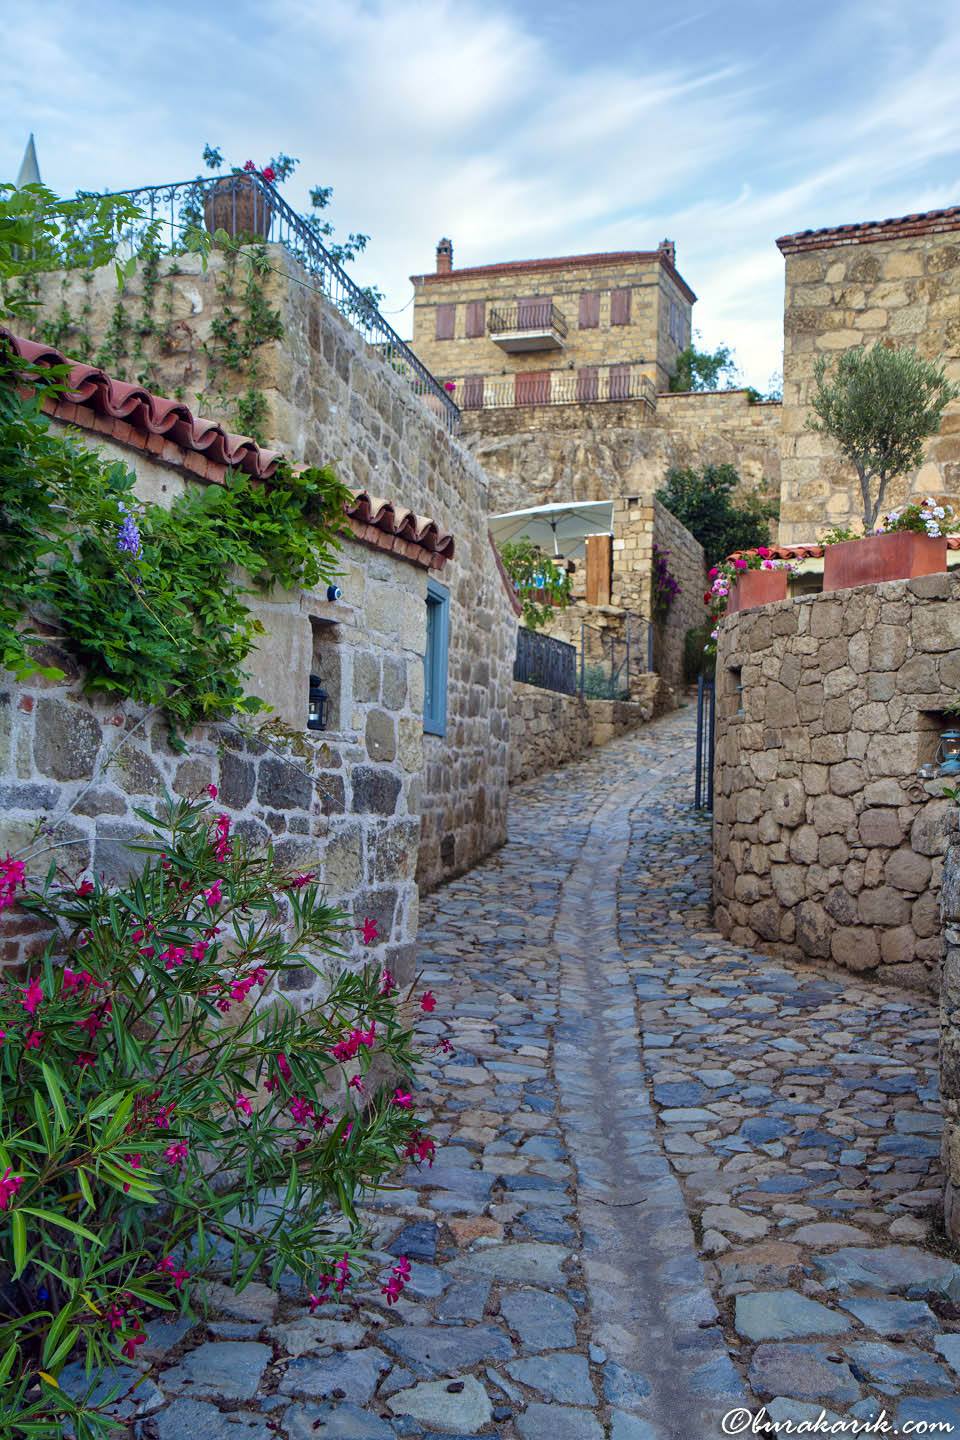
<point>584,327</point>
<point>327,396</point>
<point>343,802</point>
<point>853,285</point>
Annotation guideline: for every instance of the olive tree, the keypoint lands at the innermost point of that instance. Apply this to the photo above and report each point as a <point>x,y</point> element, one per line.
<point>879,406</point>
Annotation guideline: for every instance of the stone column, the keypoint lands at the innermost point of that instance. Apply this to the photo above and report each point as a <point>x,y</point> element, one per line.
<point>950,1039</point>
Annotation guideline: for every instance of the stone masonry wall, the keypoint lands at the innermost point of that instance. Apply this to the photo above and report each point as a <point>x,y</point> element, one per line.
<point>332,399</point>
<point>827,845</point>
<point>950,1040</point>
<point>343,803</point>
<point>538,454</point>
<point>906,288</point>
<point>548,729</point>
<point>685,562</point>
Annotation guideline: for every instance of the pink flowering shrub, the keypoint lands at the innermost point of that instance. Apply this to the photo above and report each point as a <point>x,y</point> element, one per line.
<point>156,1086</point>
<point>724,577</point>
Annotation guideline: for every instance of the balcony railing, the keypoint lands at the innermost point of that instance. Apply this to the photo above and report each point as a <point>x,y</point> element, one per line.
<point>247,206</point>
<point>555,387</point>
<point>543,661</point>
<point>534,324</point>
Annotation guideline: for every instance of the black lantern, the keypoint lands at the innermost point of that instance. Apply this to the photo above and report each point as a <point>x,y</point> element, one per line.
<point>317,709</point>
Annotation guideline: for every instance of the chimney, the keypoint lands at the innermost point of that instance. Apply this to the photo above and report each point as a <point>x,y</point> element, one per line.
<point>668,251</point>
<point>444,257</point>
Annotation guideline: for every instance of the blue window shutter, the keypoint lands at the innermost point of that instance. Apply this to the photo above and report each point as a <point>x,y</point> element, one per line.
<point>435,659</point>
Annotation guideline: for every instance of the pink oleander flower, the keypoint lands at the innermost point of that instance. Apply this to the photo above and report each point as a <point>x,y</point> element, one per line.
<point>214,895</point>
<point>134,1162</point>
<point>223,847</point>
<point>402,1101</point>
<point>32,997</point>
<point>428,1002</point>
<point>12,874</point>
<point>175,1154</point>
<point>9,1187</point>
<point>282,1065</point>
<point>370,931</point>
<point>301,1110</point>
<point>387,988</point>
<point>212,791</point>
<point>198,951</point>
<point>129,1347</point>
<point>399,1276</point>
<point>173,956</point>
<point>355,1083</point>
<point>298,881</point>
<point>420,1147</point>
<point>169,1267</point>
<point>34,1038</point>
<point>346,1134</point>
<point>347,1049</point>
<point>85,888</point>
<point>242,1103</point>
<point>323,1285</point>
<point>342,1268</point>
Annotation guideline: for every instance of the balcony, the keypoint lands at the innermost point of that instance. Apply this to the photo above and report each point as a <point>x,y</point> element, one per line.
<point>524,325</point>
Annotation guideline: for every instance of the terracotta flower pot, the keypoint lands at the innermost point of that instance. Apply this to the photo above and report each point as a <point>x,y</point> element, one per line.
<point>901,555</point>
<point>237,205</point>
<point>757,587</point>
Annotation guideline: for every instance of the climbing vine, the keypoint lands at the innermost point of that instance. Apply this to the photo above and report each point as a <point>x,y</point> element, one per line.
<point>147,601</point>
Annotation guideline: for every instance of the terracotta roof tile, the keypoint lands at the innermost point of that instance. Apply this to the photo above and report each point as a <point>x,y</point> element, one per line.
<point>169,429</point>
<point>928,223</point>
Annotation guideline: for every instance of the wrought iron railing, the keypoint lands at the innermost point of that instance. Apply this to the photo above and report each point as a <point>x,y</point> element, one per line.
<point>535,314</point>
<point>556,387</point>
<point>608,661</point>
<point>543,661</point>
<point>246,205</point>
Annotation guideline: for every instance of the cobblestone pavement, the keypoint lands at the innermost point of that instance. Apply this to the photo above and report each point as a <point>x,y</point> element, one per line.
<point>620,1241</point>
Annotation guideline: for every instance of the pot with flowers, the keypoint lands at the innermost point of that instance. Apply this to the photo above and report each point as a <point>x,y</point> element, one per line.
<point>742,583</point>
<point>907,543</point>
<point>237,203</point>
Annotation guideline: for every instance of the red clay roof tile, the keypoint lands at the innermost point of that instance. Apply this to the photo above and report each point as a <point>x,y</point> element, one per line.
<point>931,222</point>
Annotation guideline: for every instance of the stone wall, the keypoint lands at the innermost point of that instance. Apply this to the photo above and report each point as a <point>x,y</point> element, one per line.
<point>538,454</point>
<point>827,844</point>
<point>330,398</point>
<point>685,562</point>
<point>950,1040</point>
<point>548,729</point>
<point>343,803</point>
<point>854,289</point>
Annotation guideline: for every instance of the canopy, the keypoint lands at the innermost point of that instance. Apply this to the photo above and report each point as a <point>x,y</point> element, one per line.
<point>558,529</point>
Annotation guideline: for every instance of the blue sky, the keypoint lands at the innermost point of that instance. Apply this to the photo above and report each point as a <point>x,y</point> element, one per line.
<point>518,129</point>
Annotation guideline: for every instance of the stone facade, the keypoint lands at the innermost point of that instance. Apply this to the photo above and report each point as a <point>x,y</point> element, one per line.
<point>548,729</point>
<point>331,398</point>
<point>950,1040</point>
<point>854,286</point>
<point>629,309</point>
<point>343,803</point>
<point>538,454</point>
<point>827,843</point>
<point>685,561</point>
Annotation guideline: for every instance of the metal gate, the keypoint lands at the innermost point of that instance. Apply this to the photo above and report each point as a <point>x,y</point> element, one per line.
<point>706,711</point>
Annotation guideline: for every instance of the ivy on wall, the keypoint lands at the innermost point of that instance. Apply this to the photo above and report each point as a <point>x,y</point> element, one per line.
<point>149,602</point>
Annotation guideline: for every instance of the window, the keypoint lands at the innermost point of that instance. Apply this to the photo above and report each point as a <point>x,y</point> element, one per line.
<point>446,319</point>
<point>476,318</point>
<point>677,327</point>
<point>435,659</point>
<point>620,307</point>
<point>589,309</point>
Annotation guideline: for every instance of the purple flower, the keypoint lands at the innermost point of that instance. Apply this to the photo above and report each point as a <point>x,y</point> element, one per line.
<point>128,537</point>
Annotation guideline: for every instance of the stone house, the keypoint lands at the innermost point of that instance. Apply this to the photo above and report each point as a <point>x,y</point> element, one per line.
<point>328,396</point>
<point>344,801</point>
<point>853,285</point>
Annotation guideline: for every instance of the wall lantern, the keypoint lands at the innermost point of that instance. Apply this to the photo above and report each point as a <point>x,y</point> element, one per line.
<point>948,752</point>
<point>334,592</point>
<point>317,708</point>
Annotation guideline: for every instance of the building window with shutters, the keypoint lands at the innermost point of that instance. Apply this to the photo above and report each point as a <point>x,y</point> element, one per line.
<point>446,320</point>
<point>677,327</point>
<point>476,319</point>
<point>620,307</point>
<point>435,659</point>
<point>589,309</point>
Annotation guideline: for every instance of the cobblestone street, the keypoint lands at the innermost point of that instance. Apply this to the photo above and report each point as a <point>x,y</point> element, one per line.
<point>673,1178</point>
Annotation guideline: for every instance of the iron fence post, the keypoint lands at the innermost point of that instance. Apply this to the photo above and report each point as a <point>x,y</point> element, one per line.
<point>628,656</point>
<point>583,654</point>
<point>650,656</point>
<point>699,760</point>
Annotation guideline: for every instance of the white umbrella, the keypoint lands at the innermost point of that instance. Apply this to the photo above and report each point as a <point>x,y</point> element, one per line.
<point>560,529</point>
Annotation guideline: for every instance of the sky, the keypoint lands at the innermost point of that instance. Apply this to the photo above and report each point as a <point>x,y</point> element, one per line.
<point>519,129</point>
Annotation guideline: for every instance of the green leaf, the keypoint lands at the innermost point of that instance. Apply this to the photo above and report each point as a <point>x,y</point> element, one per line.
<point>19,1242</point>
<point>56,1095</point>
<point>46,1217</point>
